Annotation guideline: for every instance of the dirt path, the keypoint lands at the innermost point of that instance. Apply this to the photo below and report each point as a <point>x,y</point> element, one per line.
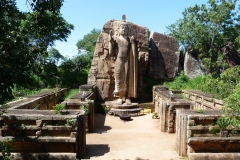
<point>139,139</point>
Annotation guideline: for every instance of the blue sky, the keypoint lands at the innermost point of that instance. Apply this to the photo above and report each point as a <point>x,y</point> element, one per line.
<point>86,15</point>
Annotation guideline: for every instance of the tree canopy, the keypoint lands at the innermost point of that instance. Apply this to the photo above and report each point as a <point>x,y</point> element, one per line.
<point>207,28</point>
<point>87,45</point>
<point>24,39</point>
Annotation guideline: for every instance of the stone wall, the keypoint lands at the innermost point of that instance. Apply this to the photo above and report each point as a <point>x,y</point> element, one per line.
<point>75,104</point>
<point>197,138</point>
<point>166,106</point>
<point>40,134</point>
<point>202,100</point>
<point>41,101</point>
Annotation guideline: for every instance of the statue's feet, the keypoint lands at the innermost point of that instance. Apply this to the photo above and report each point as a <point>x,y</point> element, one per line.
<point>116,93</point>
<point>119,101</point>
<point>128,102</point>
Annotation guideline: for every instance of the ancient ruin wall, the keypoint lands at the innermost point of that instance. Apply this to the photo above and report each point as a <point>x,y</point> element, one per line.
<point>197,138</point>
<point>202,100</point>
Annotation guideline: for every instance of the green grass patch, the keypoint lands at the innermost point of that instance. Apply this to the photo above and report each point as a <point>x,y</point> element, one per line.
<point>71,93</point>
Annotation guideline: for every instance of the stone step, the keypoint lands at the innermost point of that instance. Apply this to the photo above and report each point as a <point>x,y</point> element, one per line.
<point>52,156</point>
<point>39,139</point>
<point>50,128</point>
<point>213,140</point>
<point>214,156</point>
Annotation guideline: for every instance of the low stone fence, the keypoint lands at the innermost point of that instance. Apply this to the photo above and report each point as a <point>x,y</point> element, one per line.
<point>37,132</point>
<point>198,137</point>
<point>47,99</point>
<point>202,100</point>
<point>86,99</point>
<point>166,106</point>
<point>75,104</point>
<point>41,101</point>
<point>40,134</point>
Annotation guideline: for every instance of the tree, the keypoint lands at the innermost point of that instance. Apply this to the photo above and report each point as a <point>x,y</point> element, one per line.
<point>87,45</point>
<point>207,28</point>
<point>24,38</point>
<point>54,56</point>
<point>80,62</point>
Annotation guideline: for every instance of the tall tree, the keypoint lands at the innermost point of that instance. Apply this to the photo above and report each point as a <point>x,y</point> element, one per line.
<point>54,56</point>
<point>87,45</point>
<point>207,28</point>
<point>24,38</point>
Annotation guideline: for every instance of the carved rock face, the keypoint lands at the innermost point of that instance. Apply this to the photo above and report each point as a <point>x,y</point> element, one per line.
<point>161,62</point>
<point>123,29</point>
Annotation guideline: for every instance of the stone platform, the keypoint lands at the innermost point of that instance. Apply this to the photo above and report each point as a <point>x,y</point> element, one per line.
<point>123,109</point>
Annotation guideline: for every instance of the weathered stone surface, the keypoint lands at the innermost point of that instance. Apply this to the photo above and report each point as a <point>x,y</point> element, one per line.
<point>156,65</point>
<point>214,156</point>
<point>167,109</point>
<point>160,59</point>
<point>230,56</point>
<point>193,66</point>
<point>163,57</point>
<point>160,88</point>
<point>202,100</point>
<point>38,133</point>
<point>86,87</point>
<point>50,156</point>
<point>39,123</point>
<point>73,134</point>
<point>102,67</point>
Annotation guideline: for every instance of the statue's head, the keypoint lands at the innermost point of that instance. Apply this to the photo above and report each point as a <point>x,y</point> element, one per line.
<point>123,28</point>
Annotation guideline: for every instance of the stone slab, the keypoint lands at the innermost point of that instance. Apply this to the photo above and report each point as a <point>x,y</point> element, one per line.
<point>214,156</point>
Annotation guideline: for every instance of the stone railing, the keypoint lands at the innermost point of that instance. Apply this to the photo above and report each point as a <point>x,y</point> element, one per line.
<point>36,131</point>
<point>75,104</point>
<point>41,101</point>
<point>166,106</point>
<point>40,134</point>
<point>202,100</point>
<point>199,138</point>
<point>85,98</point>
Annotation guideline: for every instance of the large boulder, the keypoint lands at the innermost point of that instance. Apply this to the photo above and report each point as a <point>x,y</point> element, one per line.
<point>230,56</point>
<point>163,57</point>
<point>193,66</point>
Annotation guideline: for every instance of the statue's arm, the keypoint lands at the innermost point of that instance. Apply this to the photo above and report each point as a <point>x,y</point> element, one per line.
<point>133,44</point>
<point>111,44</point>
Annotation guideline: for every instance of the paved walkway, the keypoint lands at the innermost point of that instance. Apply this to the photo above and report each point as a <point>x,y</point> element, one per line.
<point>139,139</point>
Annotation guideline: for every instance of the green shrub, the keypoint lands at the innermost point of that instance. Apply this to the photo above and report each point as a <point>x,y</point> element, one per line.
<point>5,147</point>
<point>85,108</point>
<point>58,108</point>
<point>180,82</point>
<point>225,87</point>
<point>70,93</point>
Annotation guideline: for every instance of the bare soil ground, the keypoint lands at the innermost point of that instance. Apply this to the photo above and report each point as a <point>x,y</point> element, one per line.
<point>138,139</point>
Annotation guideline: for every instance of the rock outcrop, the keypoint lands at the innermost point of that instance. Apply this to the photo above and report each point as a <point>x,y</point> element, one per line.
<point>163,57</point>
<point>193,67</point>
<point>230,56</point>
